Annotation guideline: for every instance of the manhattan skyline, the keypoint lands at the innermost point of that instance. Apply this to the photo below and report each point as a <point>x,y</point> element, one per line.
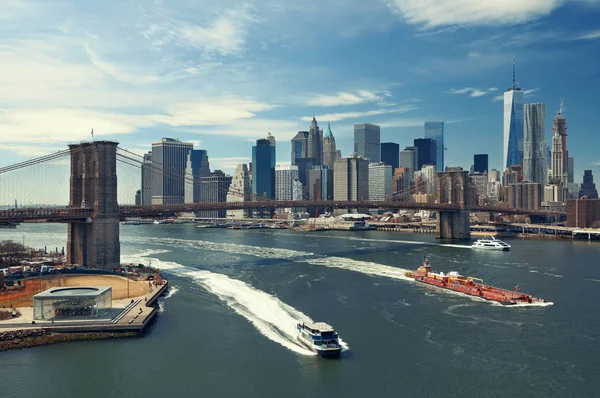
<point>227,76</point>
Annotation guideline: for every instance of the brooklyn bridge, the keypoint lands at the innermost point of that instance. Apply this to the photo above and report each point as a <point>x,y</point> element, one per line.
<point>93,211</point>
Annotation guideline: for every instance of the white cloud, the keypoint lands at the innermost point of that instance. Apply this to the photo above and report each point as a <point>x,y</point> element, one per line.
<point>334,117</point>
<point>343,98</point>
<point>433,13</point>
<point>224,35</point>
<point>473,92</point>
<point>589,36</point>
<point>526,93</point>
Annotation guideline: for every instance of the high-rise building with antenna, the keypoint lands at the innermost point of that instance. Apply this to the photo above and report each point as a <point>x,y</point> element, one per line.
<point>513,124</point>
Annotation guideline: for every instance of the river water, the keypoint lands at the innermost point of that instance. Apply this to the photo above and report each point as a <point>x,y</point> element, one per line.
<point>226,328</point>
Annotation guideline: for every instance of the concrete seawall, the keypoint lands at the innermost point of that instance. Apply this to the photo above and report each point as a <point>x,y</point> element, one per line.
<point>134,318</point>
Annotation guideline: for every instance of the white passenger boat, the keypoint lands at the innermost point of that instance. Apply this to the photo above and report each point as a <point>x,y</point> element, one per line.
<point>490,243</point>
<point>319,337</point>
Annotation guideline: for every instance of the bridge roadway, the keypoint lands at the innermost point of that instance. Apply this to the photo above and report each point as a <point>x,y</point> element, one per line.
<point>71,214</point>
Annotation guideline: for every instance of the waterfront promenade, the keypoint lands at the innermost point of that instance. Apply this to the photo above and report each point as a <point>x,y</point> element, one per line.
<point>126,315</point>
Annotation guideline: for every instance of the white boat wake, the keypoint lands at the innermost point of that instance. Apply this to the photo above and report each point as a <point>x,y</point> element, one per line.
<point>270,316</point>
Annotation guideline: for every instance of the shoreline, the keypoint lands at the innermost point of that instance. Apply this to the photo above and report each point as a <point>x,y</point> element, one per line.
<point>29,338</point>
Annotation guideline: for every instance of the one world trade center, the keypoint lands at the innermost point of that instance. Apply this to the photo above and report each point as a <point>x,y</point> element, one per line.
<point>513,125</point>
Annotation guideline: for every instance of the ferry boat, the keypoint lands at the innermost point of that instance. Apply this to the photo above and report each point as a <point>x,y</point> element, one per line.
<point>490,243</point>
<point>471,286</point>
<point>320,338</point>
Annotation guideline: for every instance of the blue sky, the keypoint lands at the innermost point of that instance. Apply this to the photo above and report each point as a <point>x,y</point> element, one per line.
<point>223,73</point>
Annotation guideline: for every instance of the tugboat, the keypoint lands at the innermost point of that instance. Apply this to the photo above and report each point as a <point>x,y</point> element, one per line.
<point>471,286</point>
<point>320,338</point>
<point>491,243</point>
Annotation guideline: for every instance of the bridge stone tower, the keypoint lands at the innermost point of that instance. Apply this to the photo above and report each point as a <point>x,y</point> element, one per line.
<point>94,243</point>
<point>453,188</point>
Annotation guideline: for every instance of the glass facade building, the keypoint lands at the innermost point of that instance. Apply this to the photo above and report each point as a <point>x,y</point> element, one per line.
<point>263,170</point>
<point>390,154</point>
<point>480,163</point>
<point>435,131</point>
<point>534,144</point>
<point>147,172</point>
<point>513,127</point>
<point>72,302</point>
<point>367,142</point>
<point>426,152</point>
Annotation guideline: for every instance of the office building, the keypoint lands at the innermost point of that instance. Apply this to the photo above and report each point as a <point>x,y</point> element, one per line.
<point>409,159</point>
<point>147,173</point>
<point>380,181</point>
<point>351,178</point>
<point>534,144</point>
<point>330,153</point>
<point>426,152</point>
<point>426,180</point>
<point>367,141</point>
<point>319,184</point>
<point>138,197</point>
<point>213,188</point>
<point>480,163</point>
<point>284,178</point>
<point>315,142</point>
<point>512,175</point>
<point>240,190</point>
<point>588,188</point>
<point>263,170</point>
<point>169,160</point>
<point>570,170</point>
<point>494,176</point>
<point>525,195</point>
<point>480,182</point>
<point>390,154</point>
<point>435,131</point>
<point>513,125</point>
<point>197,166</point>
<point>299,146</point>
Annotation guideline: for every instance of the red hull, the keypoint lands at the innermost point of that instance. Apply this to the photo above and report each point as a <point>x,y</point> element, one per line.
<point>471,287</point>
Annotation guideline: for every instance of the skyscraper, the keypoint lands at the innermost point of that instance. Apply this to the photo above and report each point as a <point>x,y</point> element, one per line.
<point>367,141</point>
<point>426,152</point>
<point>212,188</point>
<point>409,159</point>
<point>319,183</point>
<point>315,142</point>
<point>380,181</point>
<point>534,144</point>
<point>197,166</point>
<point>435,130</point>
<point>588,188</point>
<point>557,170</point>
<point>329,149</point>
<point>240,190</point>
<point>299,146</point>
<point>263,170</point>
<point>169,160</point>
<point>571,170</point>
<point>560,127</point>
<point>284,177</point>
<point>480,163</point>
<point>351,178</point>
<point>513,124</point>
<point>390,154</point>
<point>147,173</point>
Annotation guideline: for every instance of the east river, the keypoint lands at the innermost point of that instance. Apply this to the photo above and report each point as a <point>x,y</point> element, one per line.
<point>227,326</point>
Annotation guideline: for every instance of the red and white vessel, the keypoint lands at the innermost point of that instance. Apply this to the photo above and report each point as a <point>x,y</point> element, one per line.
<point>471,286</point>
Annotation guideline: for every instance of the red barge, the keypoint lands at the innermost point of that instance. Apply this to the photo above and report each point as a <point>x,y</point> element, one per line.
<point>470,286</point>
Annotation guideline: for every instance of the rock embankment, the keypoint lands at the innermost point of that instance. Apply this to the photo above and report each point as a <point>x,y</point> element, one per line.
<point>17,339</point>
